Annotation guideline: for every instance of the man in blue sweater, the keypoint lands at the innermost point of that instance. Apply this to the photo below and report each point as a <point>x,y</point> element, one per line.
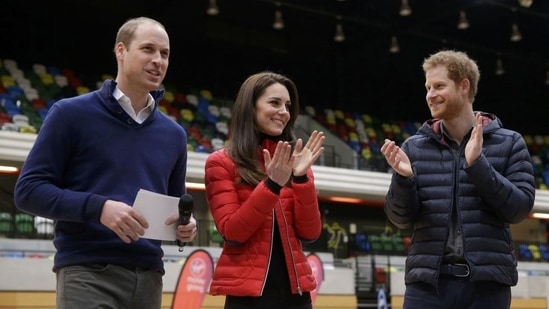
<point>92,155</point>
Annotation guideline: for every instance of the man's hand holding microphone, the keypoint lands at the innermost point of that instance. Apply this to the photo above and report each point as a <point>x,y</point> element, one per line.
<point>186,223</point>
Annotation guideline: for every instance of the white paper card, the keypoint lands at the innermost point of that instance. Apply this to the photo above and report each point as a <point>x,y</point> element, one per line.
<point>157,208</point>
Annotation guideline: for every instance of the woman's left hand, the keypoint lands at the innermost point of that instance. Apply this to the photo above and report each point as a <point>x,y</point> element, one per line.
<point>304,157</point>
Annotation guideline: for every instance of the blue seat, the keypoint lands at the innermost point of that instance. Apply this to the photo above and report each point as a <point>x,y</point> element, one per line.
<point>362,243</point>
<point>544,251</point>
<point>524,252</point>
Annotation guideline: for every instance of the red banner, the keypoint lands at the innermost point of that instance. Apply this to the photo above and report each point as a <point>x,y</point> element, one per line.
<point>194,281</point>
<point>318,272</point>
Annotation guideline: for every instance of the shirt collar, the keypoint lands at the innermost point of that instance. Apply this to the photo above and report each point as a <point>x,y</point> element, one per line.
<point>126,104</point>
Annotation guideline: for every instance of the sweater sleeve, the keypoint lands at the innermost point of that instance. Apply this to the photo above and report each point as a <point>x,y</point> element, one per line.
<point>38,189</point>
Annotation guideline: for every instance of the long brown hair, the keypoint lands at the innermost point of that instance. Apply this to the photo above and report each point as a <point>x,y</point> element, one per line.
<point>244,136</point>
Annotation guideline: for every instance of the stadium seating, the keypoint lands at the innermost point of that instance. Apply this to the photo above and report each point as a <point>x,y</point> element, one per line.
<point>26,95</point>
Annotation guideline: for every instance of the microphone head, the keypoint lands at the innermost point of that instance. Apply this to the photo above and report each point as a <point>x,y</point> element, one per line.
<point>185,212</point>
<point>186,204</point>
<point>186,198</point>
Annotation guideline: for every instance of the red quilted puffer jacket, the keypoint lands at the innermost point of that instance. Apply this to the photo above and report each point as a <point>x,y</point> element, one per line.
<point>244,217</point>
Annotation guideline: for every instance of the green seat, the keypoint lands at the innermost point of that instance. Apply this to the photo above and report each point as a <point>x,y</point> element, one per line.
<point>375,243</point>
<point>24,225</point>
<point>398,244</point>
<point>6,224</point>
<point>387,243</point>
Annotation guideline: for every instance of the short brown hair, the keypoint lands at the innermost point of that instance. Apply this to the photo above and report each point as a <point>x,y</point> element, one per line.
<point>459,66</point>
<point>127,30</point>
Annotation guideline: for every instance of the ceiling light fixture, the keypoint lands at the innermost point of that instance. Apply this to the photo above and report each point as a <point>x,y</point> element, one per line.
<point>405,9</point>
<point>463,21</point>
<point>394,48</point>
<point>515,33</point>
<point>278,23</point>
<point>525,3</point>
<point>339,34</point>
<point>499,66</point>
<point>213,9</point>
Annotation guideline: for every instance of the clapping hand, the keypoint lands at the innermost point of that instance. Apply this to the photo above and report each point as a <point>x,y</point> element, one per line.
<point>397,158</point>
<point>279,167</point>
<point>304,157</point>
<point>473,148</point>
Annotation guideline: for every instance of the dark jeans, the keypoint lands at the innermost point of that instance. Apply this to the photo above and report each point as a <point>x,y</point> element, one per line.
<point>107,286</point>
<point>457,293</point>
<point>271,299</point>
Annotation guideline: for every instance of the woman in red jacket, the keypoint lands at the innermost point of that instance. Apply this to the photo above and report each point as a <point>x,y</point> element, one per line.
<point>262,197</point>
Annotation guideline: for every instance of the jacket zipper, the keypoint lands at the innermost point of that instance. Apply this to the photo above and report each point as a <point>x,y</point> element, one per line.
<point>290,245</point>
<point>270,255</point>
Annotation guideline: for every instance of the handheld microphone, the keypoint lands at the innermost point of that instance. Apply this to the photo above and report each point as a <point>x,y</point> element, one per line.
<point>185,212</point>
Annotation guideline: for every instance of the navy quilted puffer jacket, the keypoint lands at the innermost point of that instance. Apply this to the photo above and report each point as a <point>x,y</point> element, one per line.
<point>495,191</point>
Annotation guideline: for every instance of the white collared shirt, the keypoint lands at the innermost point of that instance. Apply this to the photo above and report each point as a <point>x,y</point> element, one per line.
<point>126,104</point>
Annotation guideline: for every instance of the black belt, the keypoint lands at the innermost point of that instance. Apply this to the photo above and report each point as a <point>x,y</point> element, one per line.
<point>456,270</point>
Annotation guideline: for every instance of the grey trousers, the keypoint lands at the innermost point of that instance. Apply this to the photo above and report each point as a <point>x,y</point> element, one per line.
<point>107,286</point>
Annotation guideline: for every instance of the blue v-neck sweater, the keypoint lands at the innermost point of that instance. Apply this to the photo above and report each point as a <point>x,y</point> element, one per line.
<point>87,151</point>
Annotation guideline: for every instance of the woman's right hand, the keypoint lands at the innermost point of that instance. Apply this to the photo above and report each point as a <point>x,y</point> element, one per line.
<point>279,167</point>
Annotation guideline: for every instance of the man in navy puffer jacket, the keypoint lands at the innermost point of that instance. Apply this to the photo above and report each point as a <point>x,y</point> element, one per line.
<point>458,184</point>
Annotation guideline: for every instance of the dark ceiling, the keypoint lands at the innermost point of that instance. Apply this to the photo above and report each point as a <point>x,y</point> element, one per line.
<point>359,74</point>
